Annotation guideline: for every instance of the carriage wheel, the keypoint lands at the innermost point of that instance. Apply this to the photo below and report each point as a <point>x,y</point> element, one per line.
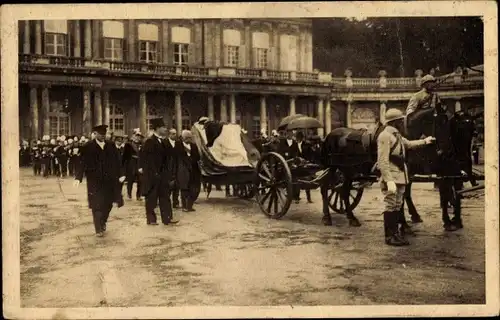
<point>334,199</point>
<point>273,185</point>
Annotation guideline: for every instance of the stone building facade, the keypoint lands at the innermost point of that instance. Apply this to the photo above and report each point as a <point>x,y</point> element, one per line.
<point>78,73</point>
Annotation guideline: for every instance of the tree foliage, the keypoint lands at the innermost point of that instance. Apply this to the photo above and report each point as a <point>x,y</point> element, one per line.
<point>398,45</point>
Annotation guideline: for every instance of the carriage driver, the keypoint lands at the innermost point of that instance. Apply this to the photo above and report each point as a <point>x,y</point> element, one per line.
<point>391,153</point>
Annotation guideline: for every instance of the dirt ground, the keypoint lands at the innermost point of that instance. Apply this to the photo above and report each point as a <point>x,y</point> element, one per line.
<point>228,253</point>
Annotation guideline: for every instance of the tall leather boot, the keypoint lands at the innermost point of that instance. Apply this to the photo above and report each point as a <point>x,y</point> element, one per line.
<point>393,238</point>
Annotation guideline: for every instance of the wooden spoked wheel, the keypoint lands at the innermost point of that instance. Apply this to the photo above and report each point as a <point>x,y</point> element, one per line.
<point>334,194</point>
<point>273,185</point>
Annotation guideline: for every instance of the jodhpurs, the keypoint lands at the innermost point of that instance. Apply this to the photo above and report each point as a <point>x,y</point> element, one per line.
<point>393,201</point>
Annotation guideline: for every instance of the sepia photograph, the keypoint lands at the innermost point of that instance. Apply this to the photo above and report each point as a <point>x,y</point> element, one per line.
<point>250,160</point>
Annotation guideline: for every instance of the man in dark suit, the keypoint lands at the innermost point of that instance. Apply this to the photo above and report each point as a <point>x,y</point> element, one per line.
<point>188,171</point>
<point>174,145</point>
<point>304,150</point>
<point>130,160</point>
<point>158,168</point>
<point>288,147</point>
<point>100,162</point>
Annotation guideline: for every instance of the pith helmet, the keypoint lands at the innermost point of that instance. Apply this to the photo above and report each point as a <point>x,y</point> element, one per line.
<point>427,78</point>
<point>393,114</point>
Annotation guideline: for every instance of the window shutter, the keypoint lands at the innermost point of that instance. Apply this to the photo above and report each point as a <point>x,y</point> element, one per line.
<point>242,59</point>
<point>225,55</point>
<point>191,57</point>
<point>101,46</point>
<point>254,58</point>
<point>69,40</point>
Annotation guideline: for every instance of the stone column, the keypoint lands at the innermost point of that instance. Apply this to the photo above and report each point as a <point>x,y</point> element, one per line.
<point>263,113</point>
<point>86,119</point>
<point>328,115</point>
<point>34,112</point>
<point>105,104</point>
<point>97,108</point>
<point>38,37</point>
<point>321,117</point>
<point>178,111</point>
<point>26,39</point>
<point>232,108</point>
<point>211,111</point>
<point>383,110</point>
<point>143,112</point>
<point>78,48</point>
<point>46,110</point>
<point>292,106</point>
<point>348,114</point>
<point>458,106</point>
<point>223,108</point>
<point>96,36</point>
<point>88,39</point>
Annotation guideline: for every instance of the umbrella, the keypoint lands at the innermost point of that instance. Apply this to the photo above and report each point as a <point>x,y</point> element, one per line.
<point>286,120</point>
<point>304,123</point>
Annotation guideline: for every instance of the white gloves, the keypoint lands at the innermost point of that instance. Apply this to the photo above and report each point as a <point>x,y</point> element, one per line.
<point>121,179</point>
<point>391,187</point>
<point>429,140</point>
<point>140,170</point>
<point>76,183</point>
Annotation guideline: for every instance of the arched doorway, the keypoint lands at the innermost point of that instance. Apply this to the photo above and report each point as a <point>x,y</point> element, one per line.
<point>59,121</point>
<point>185,119</point>
<point>116,119</point>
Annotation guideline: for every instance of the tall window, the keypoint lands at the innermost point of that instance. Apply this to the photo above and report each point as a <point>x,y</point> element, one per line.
<point>148,42</point>
<point>56,37</point>
<point>186,119</point>
<point>232,43</point>
<point>256,126</point>
<point>116,119</point>
<point>59,121</point>
<point>113,37</point>
<point>288,52</point>
<point>238,117</point>
<point>153,113</point>
<point>181,39</point>
<point>260,50</point>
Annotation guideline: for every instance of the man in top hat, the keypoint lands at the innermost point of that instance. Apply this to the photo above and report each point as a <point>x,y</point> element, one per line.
<point>158,168</point>
<point>174,147</point>
<point>100,162</point>
<point>391,161</point>
<point>130,159</point>
<point>188,171</point>
<point>288,147</point>
<point>424,101</point>
<point>36,157</point>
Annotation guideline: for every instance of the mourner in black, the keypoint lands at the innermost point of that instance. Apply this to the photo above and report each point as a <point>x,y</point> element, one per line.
<point>24,154</point>
<point>158,168</point>
<point>46,159</point>
<point>188,171</point>
<point>304,151</point>
<point>61,156</point>
<point>130,160</point>
<point>288,147</point>
<point>174,146</point>
<point>100,163</point>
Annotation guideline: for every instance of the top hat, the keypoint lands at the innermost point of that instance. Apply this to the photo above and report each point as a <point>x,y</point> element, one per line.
<point>101,129</point>
<point>157,123</point>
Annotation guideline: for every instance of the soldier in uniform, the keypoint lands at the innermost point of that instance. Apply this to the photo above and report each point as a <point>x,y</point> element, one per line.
<point>423,102</point>
<point>36,156</point>
<point>100,162</point>
<point>391,153</point>
<point>130,160</point>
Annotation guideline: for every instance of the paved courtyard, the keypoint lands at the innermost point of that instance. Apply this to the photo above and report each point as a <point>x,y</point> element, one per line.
<point>229,253</point>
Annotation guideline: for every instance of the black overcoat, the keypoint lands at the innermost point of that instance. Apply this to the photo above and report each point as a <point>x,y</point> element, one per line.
<point>158,164</point>
<point>102,168</point>
<point>130,160</point>
<point>288,152</point>
<point>188,170</point>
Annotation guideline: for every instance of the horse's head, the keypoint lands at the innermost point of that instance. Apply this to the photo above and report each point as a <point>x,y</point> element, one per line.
<point>462,130</point>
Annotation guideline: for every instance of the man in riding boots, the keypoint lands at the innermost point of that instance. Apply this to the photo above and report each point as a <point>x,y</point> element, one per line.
<point>391,153</point>
<point>424,101</point>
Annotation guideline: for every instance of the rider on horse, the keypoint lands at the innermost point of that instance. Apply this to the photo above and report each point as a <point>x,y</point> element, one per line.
<point>391,161</point>
<point>423,102</point>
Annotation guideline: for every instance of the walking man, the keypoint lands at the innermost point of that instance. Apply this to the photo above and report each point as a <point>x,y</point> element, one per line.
<point>130,158</point>
<point>100,162</point>
<point>391,157</point>
<point>174,147</point>
<point>158,168</point>
<point>188,171</point>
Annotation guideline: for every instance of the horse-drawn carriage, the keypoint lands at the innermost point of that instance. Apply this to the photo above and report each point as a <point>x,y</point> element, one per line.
<point>345,168</point>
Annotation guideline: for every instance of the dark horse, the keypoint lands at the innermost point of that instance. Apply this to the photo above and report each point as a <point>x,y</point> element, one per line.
<point>353,153</point>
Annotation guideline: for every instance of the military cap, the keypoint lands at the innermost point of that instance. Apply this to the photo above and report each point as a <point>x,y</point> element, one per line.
<point>393,114</point>
<point>157,123</point>
<point>427,78</point>
<point>101,129</point>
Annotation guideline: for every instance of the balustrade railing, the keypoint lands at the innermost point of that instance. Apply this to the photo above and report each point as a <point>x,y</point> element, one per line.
<point>225,72</point>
